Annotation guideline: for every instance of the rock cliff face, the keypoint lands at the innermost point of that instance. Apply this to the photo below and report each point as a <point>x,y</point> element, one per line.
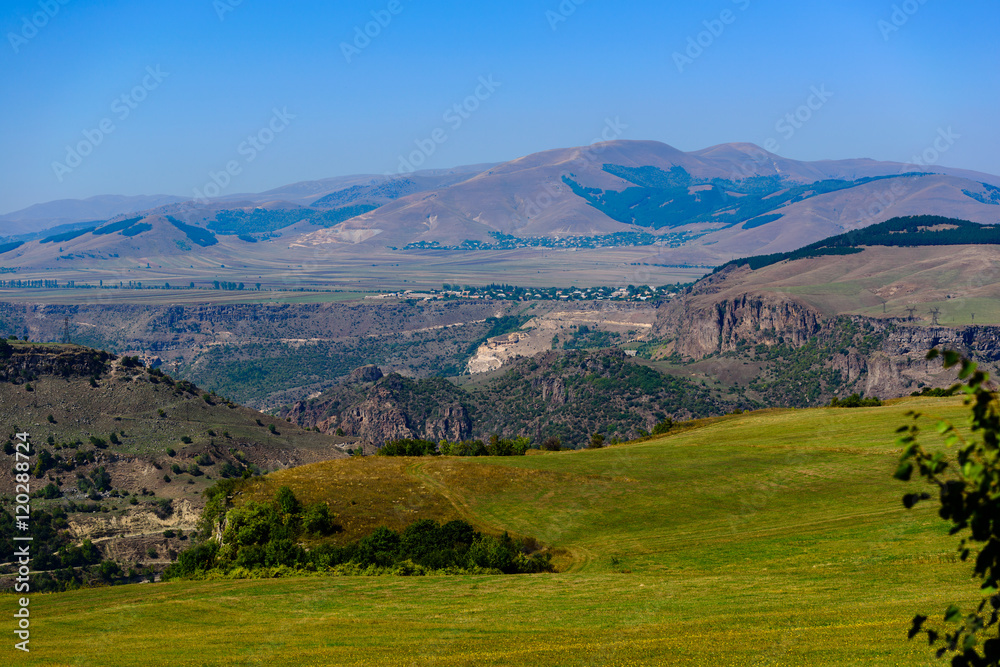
<point>380,408</point>
<point>707,323</point>
<point>27,360</point>
<point>698,331</point>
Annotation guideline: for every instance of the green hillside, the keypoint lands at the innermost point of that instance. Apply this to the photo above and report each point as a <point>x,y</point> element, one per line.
<point>911,231</point>
<point>674,198</point>
<point>774,537</point>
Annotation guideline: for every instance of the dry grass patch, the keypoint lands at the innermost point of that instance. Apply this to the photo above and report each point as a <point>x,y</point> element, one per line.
<point>362,493</point>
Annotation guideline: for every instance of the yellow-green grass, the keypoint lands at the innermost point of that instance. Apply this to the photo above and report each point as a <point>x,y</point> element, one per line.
<point>767,538</point>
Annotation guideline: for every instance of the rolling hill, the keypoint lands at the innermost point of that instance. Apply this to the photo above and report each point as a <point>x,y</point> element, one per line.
<point>161,442</point>
<point>767,538</point>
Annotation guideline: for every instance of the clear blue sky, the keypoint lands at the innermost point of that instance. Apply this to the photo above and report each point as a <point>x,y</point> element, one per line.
<point>891,91</point>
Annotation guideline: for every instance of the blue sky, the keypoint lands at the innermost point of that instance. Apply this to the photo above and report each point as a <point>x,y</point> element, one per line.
<point>896,72</point>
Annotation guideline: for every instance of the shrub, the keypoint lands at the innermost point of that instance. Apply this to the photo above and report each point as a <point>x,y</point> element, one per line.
<point>317,520</point>
<point>163,508</point>
<point>380,548</point>
<point>287,502</point>
<point>855,401</point>
<point>494,553</point>
<point>197,559</point>
<point>408,447</point>
<point>552,444</point>
<point>663,427</point>
<point>51,491</point>
<point>227,470</point>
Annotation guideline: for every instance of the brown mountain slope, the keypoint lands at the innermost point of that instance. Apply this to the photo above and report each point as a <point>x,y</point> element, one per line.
<point>528,197</point>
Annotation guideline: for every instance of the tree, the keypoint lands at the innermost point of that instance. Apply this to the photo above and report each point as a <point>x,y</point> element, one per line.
<point>596,441</point>
<point>969,494</point>
<point>287,502</point>
<point>663,427</point>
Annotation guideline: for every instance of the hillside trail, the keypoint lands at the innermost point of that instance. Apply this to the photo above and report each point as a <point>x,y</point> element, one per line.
<point>579,557</point>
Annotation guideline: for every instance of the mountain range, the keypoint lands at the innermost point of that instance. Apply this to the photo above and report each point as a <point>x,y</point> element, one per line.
<point>690,208</point>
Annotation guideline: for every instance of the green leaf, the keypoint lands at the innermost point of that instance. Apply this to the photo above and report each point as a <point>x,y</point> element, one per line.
<point>953,614</point>
<point>904,471</point>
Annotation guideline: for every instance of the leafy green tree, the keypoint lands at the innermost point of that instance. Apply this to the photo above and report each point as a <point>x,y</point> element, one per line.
<point>663,427</point>
<point>969,494</point>
<point>316,519</point>
<point>287,502</point>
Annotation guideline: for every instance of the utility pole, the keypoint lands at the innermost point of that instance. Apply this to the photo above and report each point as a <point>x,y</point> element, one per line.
<point>65,336</point>
<point>911,310</point>
<point>934,315</point>
<point>973,318</point>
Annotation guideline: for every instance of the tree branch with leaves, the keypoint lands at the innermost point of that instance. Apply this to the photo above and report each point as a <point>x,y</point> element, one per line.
<point>967,478</point>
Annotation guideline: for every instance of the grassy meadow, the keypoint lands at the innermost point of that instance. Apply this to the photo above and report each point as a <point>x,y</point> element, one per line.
<point>770,538</point>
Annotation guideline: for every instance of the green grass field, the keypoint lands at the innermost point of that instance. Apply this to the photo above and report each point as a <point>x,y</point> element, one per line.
<point>769,538</point>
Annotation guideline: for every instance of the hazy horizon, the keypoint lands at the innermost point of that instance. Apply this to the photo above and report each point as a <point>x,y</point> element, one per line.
<point>159,98</point>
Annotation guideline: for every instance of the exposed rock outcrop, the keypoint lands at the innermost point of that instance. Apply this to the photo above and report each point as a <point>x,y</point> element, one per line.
<point>721,326</point>
<point>369,373</point>
<point>707,322</point>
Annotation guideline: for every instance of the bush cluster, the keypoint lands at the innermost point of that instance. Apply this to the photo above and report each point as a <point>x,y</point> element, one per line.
<point>258,536</point>
<point>496,446</point>
<point>855,401</point>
